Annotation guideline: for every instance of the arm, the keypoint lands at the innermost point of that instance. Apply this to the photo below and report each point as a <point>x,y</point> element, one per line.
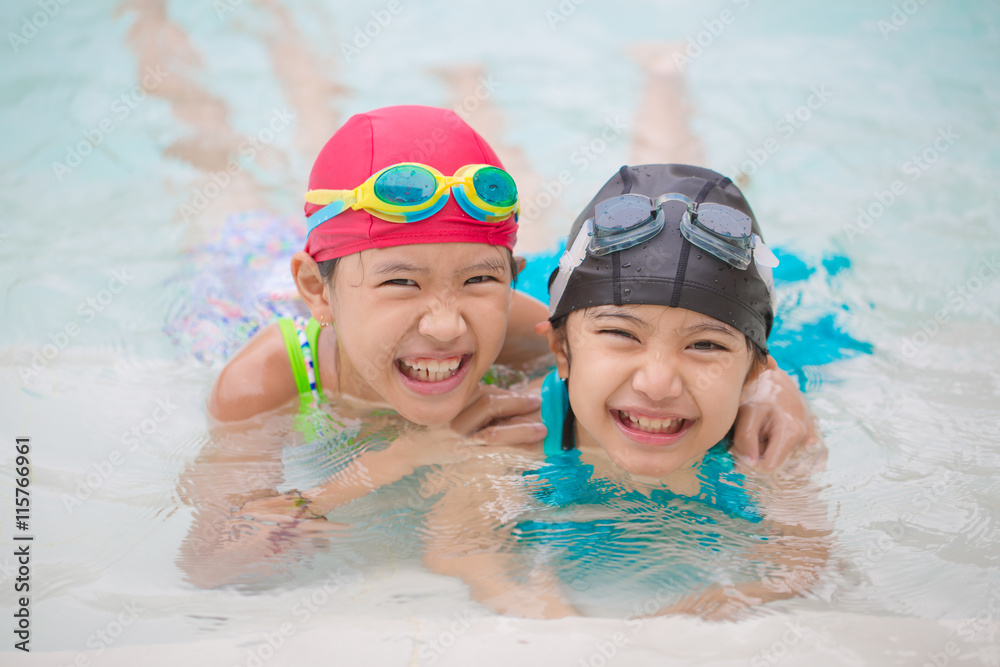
<point>240,463</point>
<point>463,540</point>
<point>496,418</point>
<point>774,420</point>
<point>258,379</point>
<point>523,348</point>
<point>795,552</point>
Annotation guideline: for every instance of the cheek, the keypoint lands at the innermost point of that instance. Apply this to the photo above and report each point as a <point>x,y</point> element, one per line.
<point>592,380</point>
<point>490,318</point>
<point>368,330</point>
<point>719,391</point>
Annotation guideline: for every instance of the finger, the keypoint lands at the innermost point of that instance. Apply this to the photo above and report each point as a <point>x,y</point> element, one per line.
<point>319,526</point>
<point>788,435</point>
<point>520,419</point>
<point>490,407</point>
<point>751,430</point>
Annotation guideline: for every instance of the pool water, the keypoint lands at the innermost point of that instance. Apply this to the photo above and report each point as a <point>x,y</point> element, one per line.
<point>864,133</point>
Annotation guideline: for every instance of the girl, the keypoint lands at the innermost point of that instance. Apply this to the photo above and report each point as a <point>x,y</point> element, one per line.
<point>659,315</point>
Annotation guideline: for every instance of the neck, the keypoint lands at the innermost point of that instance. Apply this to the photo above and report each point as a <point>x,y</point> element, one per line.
<point>683,481</point>
<point>341,376</point>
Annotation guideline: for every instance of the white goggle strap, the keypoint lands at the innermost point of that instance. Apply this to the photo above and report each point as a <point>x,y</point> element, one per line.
<point>572,258</point>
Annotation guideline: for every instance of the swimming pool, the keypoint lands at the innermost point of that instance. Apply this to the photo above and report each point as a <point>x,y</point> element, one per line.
<point>866,132</point>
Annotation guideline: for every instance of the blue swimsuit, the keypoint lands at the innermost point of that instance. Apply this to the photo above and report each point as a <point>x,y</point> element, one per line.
<point>601,535</point>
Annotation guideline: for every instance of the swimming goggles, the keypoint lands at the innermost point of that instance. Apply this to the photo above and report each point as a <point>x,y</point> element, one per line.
<point>627,220</point>
<point>408,192</point>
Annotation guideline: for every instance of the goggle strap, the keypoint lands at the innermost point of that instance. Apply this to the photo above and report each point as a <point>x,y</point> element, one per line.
<point>571,258</point>
<point>329,211</point>
<point>324,197</point>
<point>673,196</point>
<point>763,255</point>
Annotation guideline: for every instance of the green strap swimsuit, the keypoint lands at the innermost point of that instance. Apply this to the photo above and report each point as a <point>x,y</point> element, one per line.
<point>301,342</point>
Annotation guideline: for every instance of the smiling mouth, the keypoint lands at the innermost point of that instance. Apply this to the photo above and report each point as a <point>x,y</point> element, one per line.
<point>430,370</point>
<point>648,425</point>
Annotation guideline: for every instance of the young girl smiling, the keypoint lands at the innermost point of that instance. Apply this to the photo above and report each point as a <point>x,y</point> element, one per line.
<point>660,311</point>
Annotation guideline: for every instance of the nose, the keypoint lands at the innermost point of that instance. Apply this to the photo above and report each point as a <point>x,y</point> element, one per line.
<point>658,377</point>
<point>443,320</point>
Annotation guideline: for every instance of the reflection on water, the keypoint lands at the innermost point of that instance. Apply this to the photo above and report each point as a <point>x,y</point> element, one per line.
<point>578,527</point>
<point>912,427</point>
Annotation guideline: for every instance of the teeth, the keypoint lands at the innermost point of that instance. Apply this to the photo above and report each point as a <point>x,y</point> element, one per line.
<point>431,370</point>
<point>652,425</point>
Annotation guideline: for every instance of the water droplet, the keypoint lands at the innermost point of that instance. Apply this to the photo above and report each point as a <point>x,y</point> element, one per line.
<point>626,265</point>
<point>628,290</point>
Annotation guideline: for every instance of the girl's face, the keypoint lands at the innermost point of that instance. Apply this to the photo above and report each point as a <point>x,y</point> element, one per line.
<point>655,387</point>
<point>418,326</point>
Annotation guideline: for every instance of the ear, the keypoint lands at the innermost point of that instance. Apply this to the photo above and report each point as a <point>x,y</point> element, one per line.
<point>520,263</point>
<point>556,346</point>
<point>312,288</point>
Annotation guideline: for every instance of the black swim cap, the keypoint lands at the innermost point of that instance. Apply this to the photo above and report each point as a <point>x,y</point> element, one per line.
<point>667,269</point>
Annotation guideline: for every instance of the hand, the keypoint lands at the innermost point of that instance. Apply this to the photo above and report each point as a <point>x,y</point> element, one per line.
<point>715,603</point>
<point>773,420</point>
<point>496,418</point>
<point>291,508</point>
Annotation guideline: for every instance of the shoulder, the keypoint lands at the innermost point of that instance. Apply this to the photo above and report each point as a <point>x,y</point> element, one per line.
<point>259,378</point>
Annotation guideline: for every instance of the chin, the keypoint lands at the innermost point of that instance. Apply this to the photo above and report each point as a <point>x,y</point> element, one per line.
<point>435,410</point>
<point>424,416</point>
<point>647,466</point>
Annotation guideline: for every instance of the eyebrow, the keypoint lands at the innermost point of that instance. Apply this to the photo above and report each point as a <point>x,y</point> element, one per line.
<point>390,268</point>
<point>492,265</point>
<point>616,313</point>
<point>709,326</point>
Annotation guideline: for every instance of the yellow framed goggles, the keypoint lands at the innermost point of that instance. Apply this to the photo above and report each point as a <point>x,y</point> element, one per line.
<point>409,191</point>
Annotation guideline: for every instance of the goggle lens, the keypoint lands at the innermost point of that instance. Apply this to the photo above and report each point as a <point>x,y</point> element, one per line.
<point>735,227</point>
<point>495,187</point>
<point>624,221</point>
<point>620,214</point>
<point>406,185</point>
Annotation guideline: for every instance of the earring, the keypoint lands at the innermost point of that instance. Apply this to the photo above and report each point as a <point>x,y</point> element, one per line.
<point>323,324</point>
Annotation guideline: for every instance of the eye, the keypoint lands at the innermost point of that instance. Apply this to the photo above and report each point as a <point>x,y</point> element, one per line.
<point>618,333</point>
<point>401,282</point>
<point>705,345</point>
<point>476,280</point>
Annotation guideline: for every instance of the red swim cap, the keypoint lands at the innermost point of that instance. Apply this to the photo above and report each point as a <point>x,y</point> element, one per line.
<point>372,141</point>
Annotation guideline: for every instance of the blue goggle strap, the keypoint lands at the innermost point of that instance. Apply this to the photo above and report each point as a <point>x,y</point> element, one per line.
<point>329,211</point>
